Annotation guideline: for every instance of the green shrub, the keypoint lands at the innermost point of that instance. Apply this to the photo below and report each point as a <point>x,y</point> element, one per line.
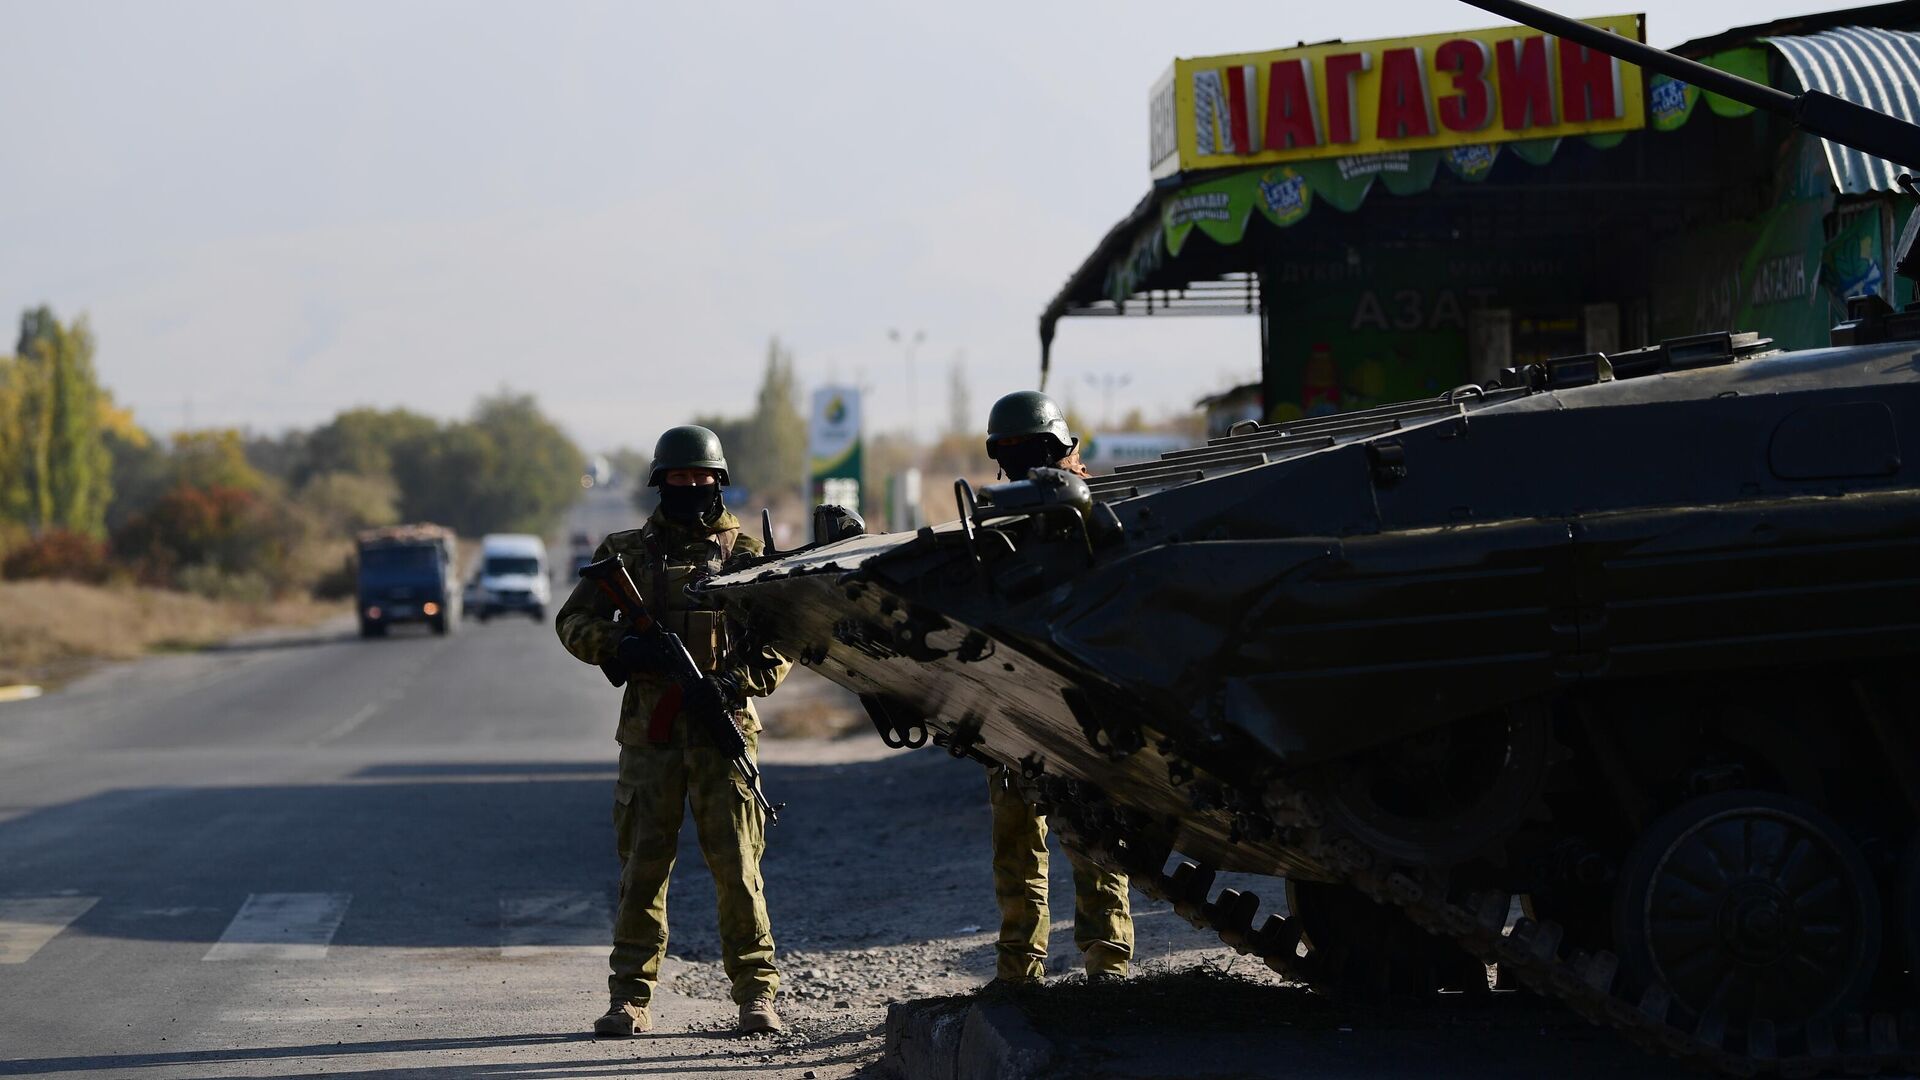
<point>345,503</point>
<point>339,583</point>
<point>58,553</point>
<point>232,530</point>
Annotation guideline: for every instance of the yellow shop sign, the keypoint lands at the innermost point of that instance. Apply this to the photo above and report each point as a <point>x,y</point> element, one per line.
<point>1365,97</point>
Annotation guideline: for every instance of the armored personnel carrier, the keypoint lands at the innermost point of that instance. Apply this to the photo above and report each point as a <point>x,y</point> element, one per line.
<point>1607,674</point>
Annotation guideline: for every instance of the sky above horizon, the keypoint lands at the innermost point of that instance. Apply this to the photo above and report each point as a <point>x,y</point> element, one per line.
<point>271,212</point>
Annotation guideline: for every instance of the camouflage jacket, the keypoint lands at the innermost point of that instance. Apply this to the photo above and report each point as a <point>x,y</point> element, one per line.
<point>664,558</point>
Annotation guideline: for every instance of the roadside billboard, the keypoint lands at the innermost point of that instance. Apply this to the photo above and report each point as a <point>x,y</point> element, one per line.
<point>834,447</point>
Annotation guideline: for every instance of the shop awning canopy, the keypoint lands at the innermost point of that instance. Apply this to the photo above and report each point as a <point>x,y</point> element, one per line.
<point>1179,251</point>
<point>1873,66</point>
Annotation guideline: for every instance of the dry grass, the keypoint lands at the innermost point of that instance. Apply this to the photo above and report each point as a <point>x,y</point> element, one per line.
<point>52,630</point>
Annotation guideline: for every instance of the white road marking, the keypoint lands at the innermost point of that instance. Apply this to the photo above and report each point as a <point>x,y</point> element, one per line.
<point>29,922</point>
<point>282,926</point>
<point>346,727</point>
<point>19,692</point>
<point>554,923</point>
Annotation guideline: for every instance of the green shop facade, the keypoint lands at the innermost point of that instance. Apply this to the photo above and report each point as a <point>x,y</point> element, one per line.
<point>1509,198</point>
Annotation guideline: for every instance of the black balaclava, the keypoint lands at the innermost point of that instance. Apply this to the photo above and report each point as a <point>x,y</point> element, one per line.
<point>690,504</point>
<point>1016,458</point>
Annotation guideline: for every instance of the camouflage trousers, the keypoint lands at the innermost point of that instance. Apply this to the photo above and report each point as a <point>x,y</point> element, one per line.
<point>656,784</point>
<point>1102,925</point>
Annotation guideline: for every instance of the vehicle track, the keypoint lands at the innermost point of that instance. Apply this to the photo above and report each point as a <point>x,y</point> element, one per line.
<point>1533,953</point>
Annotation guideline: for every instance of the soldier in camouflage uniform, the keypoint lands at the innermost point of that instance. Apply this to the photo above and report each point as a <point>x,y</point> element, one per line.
<point>665,763</point>
<point>1027,430</point>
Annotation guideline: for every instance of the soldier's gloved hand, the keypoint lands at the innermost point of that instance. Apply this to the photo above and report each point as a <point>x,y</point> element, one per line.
<point>642,656</point>
<point>727,685</point>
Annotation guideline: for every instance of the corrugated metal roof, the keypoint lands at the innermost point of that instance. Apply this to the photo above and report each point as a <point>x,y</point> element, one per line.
<point>1874,67</point>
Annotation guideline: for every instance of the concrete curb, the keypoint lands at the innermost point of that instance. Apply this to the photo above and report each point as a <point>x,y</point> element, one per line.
<point>944,1039</point>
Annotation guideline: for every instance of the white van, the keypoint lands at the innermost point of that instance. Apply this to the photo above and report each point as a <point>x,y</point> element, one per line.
<point>513,576</point>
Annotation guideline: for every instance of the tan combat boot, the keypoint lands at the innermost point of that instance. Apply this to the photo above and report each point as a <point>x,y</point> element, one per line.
<point>623,1019</point>
<point>757,1016</point>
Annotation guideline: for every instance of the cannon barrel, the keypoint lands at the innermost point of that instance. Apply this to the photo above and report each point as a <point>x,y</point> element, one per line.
<point>1829,117</point>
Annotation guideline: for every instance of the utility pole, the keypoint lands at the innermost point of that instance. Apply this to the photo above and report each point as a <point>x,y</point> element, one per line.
<point>959,399</point>
<point>1107,384</point>
<point>910,344</point>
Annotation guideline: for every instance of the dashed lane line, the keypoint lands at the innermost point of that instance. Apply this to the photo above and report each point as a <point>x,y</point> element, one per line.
<point>27,923</point>
<point>346,727</point>
<point>282,926</point>
<point>549,923</point>
<point>389,696</point>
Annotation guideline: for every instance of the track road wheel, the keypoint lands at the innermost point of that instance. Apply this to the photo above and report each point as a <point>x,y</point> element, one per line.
<point>1448,795</point>
<point>1747,906</point>
<point>1357,948</point>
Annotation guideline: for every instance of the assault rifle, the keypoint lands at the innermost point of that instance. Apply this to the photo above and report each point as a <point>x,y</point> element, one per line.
<point>692,692</point>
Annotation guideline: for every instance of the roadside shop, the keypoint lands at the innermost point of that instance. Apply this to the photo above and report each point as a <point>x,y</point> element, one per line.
<point>1408,215</point>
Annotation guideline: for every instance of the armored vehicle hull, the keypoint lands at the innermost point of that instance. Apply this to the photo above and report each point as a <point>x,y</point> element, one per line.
<point>1625,647</point>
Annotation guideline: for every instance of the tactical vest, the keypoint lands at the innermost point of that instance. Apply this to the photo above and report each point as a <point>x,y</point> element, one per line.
<point>667,575</point>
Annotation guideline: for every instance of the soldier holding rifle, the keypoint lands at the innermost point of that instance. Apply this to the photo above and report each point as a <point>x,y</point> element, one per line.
<point>675,750</point>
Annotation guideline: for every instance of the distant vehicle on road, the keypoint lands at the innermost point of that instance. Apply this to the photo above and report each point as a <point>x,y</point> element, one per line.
<point>513,576</point>
<point>407,573</point>
<point>599,472</point>
<point>582,549</point>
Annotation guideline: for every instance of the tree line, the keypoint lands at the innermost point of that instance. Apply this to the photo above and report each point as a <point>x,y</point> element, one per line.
<point>766,449</point>
<point>87,493</point>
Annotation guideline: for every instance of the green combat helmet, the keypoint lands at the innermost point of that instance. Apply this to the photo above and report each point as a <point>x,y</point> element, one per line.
<point>688,446</point>
<point>1025,431</point>
<point>1026,413</point>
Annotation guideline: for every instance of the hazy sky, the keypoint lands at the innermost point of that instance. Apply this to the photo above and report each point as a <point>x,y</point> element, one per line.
<point>272,211</point>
